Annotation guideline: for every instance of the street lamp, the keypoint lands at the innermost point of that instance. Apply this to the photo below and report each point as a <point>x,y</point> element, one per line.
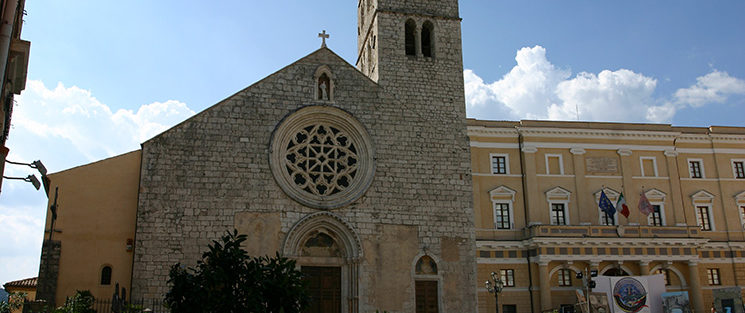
<point>495,286</point>
<point>32,178</point>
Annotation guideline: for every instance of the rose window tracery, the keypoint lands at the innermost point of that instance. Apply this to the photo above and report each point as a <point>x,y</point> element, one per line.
<point>322,157</point>
<point>321,160</point>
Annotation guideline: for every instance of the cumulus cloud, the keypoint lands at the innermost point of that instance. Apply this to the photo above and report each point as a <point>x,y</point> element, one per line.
<point>620,95</point>
<point>714,87</point>
<point>21,228</point>
<point>74,116</point>
<point>536,89</point>
<point>64,127</point>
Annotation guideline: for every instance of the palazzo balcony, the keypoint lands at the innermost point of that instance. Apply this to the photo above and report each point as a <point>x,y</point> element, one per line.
<point>591,231</point>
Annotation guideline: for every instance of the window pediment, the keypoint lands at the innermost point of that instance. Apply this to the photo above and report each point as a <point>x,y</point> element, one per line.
<point>502,193</point>
<point>610,193</point>
<point>702,196</point>
<point>655,195</point>
<point>740,196</point>
<point>558,193</point>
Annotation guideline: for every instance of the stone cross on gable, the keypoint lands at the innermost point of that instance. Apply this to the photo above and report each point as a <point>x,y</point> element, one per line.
<point>323,37</point>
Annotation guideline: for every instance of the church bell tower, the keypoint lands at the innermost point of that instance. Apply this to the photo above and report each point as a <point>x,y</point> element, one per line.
<point>405,42</point>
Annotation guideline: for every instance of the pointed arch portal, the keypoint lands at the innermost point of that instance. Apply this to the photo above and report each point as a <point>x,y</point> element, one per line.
<point>328,251</point>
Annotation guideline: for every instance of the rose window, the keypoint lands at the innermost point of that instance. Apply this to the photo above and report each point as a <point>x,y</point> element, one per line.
<point>321,160</point>
<point>322,157</point>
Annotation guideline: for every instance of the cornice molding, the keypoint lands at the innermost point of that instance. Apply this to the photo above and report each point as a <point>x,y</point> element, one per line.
<point>598,133</point>
<point>499,132</point>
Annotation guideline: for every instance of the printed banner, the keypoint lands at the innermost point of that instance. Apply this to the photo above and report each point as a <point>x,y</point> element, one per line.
<point>632,294</point>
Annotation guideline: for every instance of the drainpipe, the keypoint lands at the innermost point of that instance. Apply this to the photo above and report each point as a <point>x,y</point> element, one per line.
<point>525,207</point>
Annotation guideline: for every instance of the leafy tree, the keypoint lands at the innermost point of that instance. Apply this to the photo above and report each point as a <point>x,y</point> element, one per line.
<point>227,279</point>
<point>80,302</point>
<point>15,301</point>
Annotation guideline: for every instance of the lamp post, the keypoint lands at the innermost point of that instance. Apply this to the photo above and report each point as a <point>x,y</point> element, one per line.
<point>495,286</point>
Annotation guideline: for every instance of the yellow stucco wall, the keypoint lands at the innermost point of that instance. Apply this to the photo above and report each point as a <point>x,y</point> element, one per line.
<point>97,206</point>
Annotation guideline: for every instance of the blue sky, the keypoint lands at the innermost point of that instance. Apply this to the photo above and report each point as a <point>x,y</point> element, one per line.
<point>105,76</point>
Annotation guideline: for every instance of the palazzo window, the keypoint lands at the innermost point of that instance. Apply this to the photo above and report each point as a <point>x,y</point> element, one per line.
<point>703,202</point>
<point>712,274</point>
<point>508,277</point>
<point>695,168</point>
<point>742,215</point>
<point>499,164</point>
<point>703,217</point>
<point>612,195</point>
<point>565,277</point>
<point>558,203</point>
<point>657,199</point>
<point>655,218</point>
<point>502,216</point>
<point>558,214</point>
<point>738,168</point>
<point>502,199</point>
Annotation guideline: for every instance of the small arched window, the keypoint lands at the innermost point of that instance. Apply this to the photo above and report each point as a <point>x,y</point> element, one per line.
<point>410,37</point>
<point>428,32</point>
<point>106,275</point>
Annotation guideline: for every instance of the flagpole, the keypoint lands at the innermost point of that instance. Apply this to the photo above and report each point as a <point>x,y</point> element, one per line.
<point>639,218</point>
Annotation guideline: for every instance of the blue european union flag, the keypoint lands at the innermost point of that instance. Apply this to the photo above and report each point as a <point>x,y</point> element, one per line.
<point>605,205</point>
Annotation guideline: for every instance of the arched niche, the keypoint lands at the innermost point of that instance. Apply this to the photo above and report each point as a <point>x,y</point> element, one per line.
<point>324,84</point>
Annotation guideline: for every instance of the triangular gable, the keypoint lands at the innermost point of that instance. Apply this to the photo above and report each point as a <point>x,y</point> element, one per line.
<point>502,192</point>
<point>610,193</point>
<point>655,195</point>
<point>558,193</point>
<point>740,198</point>
<point>702,196</point>
<point>323,54</point>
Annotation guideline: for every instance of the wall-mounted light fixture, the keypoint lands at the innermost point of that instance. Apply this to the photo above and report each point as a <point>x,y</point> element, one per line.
<point>32,178</point>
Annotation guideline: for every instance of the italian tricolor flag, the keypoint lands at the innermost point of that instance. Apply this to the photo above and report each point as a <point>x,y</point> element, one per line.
<point>621,204</point>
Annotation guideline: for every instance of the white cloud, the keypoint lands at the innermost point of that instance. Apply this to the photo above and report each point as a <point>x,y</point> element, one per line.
<point>714,87</point>
<point>537,89</point>
<point>21,229</point>
<point>74,116</point>
<point>527,90</point>
<point>620,95</point>
<point>63,127</point>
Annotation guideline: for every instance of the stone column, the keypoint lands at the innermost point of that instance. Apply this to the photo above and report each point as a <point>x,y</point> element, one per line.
<point>631,194</point>
<point>545,285</point>
<point>643,268</point>
<point>531,183</point>
<point>677,198</point>
<point>580,187</point>
<point>695,287</point>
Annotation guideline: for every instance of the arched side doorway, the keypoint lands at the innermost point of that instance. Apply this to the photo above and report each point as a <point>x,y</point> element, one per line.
<point>328,252</point>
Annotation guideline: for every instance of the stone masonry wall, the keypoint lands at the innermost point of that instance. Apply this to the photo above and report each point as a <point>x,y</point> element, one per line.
<point>198,175</point>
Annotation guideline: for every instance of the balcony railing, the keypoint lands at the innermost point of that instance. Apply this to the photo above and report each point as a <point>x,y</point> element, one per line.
<point>592,231</point>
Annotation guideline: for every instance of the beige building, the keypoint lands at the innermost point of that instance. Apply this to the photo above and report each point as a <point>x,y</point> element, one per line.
<point>26,286</point>
<point>537,185</point>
